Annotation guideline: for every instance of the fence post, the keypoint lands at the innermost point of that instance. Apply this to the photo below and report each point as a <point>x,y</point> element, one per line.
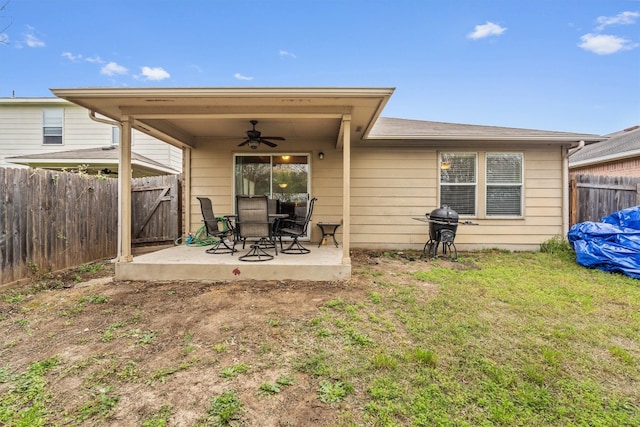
<point>574,202</point>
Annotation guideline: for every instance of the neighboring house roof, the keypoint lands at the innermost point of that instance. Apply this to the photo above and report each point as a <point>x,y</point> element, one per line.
<point>391,128</point>
<point>101,159</point>
<point>617,146</point>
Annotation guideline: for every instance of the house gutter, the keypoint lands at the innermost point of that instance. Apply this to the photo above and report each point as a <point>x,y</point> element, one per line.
<point>92,116</point>
<point>565,184</point>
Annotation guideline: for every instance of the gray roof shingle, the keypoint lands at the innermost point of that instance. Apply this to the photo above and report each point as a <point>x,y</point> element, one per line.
<point>392,128</point>
<point>618,145</point>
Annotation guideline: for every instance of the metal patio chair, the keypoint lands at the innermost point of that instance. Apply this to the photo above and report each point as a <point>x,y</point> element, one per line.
<point>252,222</point>
<point>220,228</point>
<point>295,228</point>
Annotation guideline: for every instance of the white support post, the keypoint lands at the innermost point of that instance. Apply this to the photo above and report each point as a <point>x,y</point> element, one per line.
<point>124,192</point>
<point>186,189</point>
<point>346,189</point>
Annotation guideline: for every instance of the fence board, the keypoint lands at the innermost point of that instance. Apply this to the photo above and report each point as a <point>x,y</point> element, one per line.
<point>51,220</point>
<point>595,196</point>
<point>156,209</point>
<point>44,225</point>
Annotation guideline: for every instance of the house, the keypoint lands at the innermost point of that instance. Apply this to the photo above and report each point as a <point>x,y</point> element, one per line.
<point>52,133</point>
<point>616,155</point>
<point>372,174</point>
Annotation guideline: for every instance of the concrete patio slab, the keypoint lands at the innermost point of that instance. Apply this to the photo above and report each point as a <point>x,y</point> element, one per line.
<point>193,263</point>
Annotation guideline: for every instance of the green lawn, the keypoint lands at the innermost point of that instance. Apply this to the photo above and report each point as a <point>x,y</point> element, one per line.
<point>504,339</point>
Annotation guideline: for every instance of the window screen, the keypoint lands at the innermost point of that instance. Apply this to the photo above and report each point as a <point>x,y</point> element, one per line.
<point>458,178</point>
<point>504,184</point>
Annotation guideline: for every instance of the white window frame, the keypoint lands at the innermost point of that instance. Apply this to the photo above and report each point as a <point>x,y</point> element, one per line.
<point>115,135</point>
<point>443,165</point>
<point>488,184</point>
<point>52,126</point>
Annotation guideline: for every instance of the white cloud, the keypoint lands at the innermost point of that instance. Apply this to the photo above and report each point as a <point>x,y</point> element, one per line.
<point>113,68</point>
<point>154,73</point>
<point>486,30</point>
<point>71,57</point>
<point>603,44</point>
<point>623,18</point>
<point>286,53</point>
<point>239,76</point>
<point>32,41</point>
<point>95,60</point>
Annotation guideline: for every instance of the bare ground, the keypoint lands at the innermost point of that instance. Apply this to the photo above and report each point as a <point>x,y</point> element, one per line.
<point>150,345</point>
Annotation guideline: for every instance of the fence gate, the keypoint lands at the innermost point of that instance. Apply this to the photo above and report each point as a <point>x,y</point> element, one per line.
<point>155,209</point>
<point>594,196</point>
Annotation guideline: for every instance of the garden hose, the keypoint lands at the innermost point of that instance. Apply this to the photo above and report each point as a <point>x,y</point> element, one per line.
<point>200,238</point>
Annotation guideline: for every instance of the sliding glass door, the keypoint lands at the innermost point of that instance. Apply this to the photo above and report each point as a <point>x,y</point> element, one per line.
<point>281,177</point>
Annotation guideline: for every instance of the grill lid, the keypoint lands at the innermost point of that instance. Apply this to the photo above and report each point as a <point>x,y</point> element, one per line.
<point>445,213</point>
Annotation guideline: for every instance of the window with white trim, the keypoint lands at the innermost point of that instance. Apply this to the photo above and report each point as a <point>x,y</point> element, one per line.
<point>504,184</point>
<point>458,182</point>
<point>52,119</point>
<point>115,135</point>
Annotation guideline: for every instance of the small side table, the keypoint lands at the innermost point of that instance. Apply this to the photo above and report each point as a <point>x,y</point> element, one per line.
<point>328,230</point>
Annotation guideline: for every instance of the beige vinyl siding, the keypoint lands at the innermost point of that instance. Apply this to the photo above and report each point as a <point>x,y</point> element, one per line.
<point>542,217</point>
<point>391,186</point>
<point>80,132</point>
<point>212,176</point>
<point>157,150</point>
<point>21,133</point>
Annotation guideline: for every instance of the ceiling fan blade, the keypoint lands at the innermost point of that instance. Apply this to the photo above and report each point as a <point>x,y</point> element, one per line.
<point>269,143</point>
<point>277,138</point>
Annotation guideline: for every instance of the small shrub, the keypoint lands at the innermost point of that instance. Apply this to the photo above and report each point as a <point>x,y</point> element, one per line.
<point>232,371</point>
<point>332,392</point>
<point>224,409</point>
<point>557,245</point>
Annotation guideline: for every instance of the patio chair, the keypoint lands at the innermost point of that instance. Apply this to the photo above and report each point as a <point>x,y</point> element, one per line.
<point>295,228</point>
<point>220,228</point>
<point>253,223</point>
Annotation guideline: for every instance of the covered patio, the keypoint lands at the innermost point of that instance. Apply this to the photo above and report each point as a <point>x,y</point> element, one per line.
<point>193,263</point>
<point>208,124</point>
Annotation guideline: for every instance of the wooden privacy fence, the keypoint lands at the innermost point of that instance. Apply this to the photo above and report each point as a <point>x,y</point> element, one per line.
<point>51,220</point>
<point>593,196</point>
<point>155,205</point>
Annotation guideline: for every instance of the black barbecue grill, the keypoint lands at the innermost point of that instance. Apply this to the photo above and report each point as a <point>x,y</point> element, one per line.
<point>443,225</point>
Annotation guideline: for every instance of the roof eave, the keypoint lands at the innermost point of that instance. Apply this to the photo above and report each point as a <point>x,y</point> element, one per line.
<point>483,138</point>
<point>226,91</point>
<point>604,159</point>
<point>71,163</point>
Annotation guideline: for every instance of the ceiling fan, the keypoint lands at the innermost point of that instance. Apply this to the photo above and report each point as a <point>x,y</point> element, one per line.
<point>254,138</point>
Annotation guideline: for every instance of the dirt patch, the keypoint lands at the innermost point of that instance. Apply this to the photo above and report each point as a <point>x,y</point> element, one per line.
<point>150,345</point>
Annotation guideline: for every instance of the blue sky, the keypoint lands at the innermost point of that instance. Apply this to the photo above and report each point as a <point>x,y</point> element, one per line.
<point>565,65</point>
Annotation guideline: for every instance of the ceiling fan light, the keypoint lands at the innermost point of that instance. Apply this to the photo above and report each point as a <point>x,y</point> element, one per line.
<point>254,144</point>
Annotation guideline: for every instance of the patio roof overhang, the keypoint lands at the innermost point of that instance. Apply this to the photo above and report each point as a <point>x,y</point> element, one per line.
<point>192,117</point>
<point>201,117</point>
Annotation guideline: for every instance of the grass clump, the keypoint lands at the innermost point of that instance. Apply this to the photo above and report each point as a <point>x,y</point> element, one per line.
<point>25,402</point>
<point>225,410</point>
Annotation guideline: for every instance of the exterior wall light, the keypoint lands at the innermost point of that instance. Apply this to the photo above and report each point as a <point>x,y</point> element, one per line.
<point>321,155</point>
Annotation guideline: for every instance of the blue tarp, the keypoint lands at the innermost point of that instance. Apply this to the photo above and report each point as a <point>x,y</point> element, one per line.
<point>613,244</point>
